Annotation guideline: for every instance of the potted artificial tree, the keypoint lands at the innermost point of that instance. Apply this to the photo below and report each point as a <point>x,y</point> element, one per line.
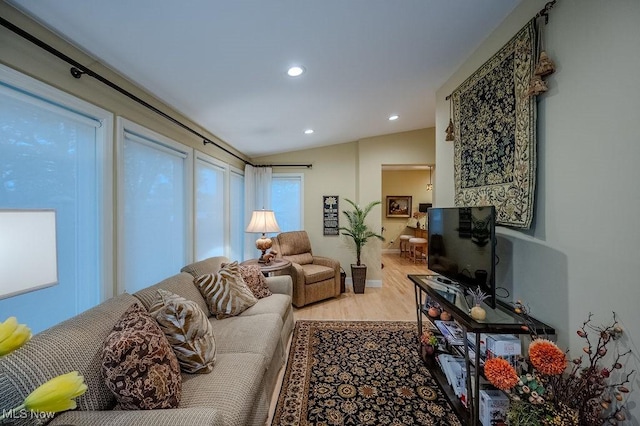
<point>360,233</point>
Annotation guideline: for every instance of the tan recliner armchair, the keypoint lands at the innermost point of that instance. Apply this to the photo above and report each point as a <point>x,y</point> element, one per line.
<point>314,277</point>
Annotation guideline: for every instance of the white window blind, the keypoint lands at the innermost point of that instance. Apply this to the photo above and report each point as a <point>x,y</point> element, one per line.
<point>287,200</point>
<point>236,213</point>
<point>155,183</point>
<point>54,155</point>
<point>210,208</point>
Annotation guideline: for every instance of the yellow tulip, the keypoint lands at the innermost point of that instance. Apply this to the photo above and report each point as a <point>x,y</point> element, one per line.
<point>57,394</point>
<point>7,327</point>
<point>12,335</point>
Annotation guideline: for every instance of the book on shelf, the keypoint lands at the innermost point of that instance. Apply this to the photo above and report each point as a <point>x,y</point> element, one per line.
<point>451,331</point>
<point>493,407</point>
<point>455,372</point>
<point>472,355</point>
<point>471,339</point>
<point>505,346</point>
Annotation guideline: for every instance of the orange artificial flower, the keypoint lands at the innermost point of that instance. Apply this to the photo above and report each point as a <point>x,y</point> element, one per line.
<point>500,373</point>
<point>546,357</point>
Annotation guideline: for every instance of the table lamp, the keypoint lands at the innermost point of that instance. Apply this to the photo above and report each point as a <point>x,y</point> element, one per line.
<point>263,221</point>
<point>28,254</point>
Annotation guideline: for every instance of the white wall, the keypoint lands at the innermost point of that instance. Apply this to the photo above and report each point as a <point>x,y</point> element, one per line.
<point>582,253</point>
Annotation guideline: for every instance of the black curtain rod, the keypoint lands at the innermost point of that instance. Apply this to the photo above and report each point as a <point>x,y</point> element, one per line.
<point>78,70</point>
<point>308,166</point>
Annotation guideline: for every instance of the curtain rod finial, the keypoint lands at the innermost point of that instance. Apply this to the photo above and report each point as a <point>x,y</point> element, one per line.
<point>76,73</point>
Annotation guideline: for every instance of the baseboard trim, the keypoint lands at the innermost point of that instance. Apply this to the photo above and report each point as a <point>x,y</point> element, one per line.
<point>390,250</point>
<point>348,282</point>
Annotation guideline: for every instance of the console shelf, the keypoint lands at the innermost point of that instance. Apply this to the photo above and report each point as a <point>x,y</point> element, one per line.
<point>501,320</point>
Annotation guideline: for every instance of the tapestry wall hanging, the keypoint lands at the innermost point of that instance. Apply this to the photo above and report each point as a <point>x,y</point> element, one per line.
<point>495,133</point>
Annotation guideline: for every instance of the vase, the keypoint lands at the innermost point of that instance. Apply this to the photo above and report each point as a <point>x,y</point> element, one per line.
<point>428,354</point>
<point>478,313</point>
<point>358,277</point>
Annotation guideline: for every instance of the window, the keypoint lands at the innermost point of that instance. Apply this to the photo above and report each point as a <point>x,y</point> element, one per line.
<point>210,207</point>
<point>155,187</point>
<point>55,154</point>
<point>287,200</point>
<point>236,215</point>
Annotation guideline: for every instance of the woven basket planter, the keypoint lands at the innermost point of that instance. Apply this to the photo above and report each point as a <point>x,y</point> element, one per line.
<point>359,277</point>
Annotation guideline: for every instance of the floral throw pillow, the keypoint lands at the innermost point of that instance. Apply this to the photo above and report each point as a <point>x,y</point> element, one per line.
<point>255,280</point>
<point>188,331</point>
<point>138,364</point>
<point>225,291</point>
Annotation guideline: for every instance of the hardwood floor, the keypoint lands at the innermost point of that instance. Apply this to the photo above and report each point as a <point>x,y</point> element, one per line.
<point>394,301</point>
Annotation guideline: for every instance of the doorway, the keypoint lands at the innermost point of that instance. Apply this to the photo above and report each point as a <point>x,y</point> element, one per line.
<point>405,180</point>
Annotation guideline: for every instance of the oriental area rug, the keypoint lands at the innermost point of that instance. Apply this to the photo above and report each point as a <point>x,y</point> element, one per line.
<point>359,373</point>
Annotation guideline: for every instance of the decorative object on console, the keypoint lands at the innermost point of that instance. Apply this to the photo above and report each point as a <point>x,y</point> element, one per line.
<point>429,185</point>
<point>495,136</point>
<point>477,311</point>
<point>428,347</point>
<point>360,233</point>
<point>263,221</point>
<point>581,392</point>
<point>434,312</point>
<point>28,251</point>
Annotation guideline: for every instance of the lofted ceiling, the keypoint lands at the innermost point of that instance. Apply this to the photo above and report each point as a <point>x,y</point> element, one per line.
<point>223,63</point>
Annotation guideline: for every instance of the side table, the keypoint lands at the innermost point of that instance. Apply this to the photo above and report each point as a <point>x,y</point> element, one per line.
<point>268,269</point>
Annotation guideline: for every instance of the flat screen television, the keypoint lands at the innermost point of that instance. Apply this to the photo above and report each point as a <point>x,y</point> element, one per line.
<point>461,247</point>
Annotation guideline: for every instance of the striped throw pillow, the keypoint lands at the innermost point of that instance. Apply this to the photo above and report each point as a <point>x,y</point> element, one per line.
<point>187,329</point>
<point>226,292</point>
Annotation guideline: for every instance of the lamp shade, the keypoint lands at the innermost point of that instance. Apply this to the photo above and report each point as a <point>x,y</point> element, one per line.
<point>28,255</point>
<point>263,221</point>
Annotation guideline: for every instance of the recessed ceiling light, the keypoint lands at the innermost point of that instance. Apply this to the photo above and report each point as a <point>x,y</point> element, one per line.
<point>295,71</point>
<point>393,117</point>
<point>308,131</point>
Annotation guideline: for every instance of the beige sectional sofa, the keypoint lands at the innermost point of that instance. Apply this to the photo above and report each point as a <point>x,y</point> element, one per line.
<point>250,352</point>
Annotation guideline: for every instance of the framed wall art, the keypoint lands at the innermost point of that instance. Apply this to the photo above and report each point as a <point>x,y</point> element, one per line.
<point>330,218</point>
<point>398,206</point>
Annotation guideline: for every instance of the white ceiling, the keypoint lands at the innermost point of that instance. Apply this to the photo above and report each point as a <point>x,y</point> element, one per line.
<point>223,63</point>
